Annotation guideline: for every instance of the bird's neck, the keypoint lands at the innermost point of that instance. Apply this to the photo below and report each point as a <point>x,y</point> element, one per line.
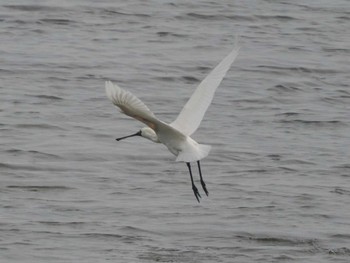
<point>153,138</point>
<point>149,134</point>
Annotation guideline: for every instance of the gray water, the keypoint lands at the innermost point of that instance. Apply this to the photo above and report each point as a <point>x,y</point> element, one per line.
<point>279,170</point>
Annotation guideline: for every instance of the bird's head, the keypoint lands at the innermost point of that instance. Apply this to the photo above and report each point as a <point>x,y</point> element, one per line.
<point>145,132</point>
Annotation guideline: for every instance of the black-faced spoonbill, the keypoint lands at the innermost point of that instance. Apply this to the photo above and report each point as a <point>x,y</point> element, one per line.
<point>176,135</point>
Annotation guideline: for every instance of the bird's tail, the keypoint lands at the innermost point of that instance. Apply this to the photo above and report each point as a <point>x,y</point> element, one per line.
<point>194,154</point>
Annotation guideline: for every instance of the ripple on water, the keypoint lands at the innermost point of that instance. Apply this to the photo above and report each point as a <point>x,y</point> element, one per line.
<point>280,168</point>
<point>40,188</point>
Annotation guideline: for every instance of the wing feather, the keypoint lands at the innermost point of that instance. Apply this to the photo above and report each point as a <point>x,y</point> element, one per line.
<point>193,112</point>
<point>130,105</point>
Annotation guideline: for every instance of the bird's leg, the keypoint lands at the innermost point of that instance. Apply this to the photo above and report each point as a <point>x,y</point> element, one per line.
<point>194,188</point>
<point>202,181</point>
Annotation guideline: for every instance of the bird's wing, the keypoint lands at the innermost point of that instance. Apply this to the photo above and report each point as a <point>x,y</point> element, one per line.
<point>130,105</point>
<point>193,112</point>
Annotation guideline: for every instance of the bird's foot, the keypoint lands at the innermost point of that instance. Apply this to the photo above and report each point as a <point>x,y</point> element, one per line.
<point>196,193</point>
<point>204,188</point>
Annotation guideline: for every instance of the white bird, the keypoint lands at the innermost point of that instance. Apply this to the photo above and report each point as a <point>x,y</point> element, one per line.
<point>176,135</point>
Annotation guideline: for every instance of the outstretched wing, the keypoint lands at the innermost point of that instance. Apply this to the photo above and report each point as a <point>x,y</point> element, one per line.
<point>193,112</point>
<point>130,105</point>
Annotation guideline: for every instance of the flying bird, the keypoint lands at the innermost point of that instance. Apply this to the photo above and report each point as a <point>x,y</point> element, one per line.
<point>176,135</point>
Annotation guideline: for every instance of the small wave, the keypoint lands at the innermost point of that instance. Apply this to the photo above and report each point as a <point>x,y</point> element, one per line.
<point>38,31</point>
<point>339,251</point>
<point>111,236</point>
<point>19,22</point>
<point>190,79</point>
<point>136,230</point>
<point>343,166</point>
<point>217,17</point>
<point>57,21</point>
<point>39,188</point>
<point>297,161</point>
<point>43,154</point>
<point>284,88</point>
<point>113,12</point>
<point>203,16</point>
<point>311,123</point>
<point>342,236</point>
<point>309,29</point>
<point>165,34</point>
<point>279,240</point>
<point>276,17</point>
<point>56,223</point>
<point>17,167</point>
<point>48,97</point>
<point>24,167</point>
<point>344,99</point>
<point>54,78</point>
<point>203,68</point>
<point>166,78</point>
<point>32,8</point>
<point>275,157</point>
<point>39,126</point>
<point>257,101</point>
<point>7,71</point>
<point>287,114</point>
<point>336,50</point>
<point>341,191</point>
<point>344,17</point>
<point>288,169</point>
<point>33,152</point>
<point>103,235</point>
<point>174,255</point>
<point>298,69</point>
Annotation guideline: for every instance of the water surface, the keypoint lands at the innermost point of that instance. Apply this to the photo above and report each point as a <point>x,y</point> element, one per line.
<point>278,173</point>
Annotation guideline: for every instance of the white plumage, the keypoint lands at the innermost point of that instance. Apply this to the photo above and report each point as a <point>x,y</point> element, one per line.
<point>176,136</point>
<point>193,112</point>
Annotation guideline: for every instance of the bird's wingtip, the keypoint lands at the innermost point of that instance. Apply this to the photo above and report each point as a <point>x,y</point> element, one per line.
<point>108,84</point>
<point>109,89</point>
<point>113,91</point>
<point>237,44</point>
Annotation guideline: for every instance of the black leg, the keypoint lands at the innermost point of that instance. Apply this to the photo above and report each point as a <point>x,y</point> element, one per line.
<point>194,188</point>
<point>202,181</point>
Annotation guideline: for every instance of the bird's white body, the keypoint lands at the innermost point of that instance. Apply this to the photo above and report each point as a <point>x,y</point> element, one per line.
<point>176,135</point>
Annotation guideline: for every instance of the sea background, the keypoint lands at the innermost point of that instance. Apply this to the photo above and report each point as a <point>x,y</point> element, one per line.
<point>279,170</point>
